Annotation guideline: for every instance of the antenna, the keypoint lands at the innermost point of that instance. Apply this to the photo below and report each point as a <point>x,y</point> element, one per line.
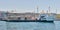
<point>49,9</point>
<point>37,9</point>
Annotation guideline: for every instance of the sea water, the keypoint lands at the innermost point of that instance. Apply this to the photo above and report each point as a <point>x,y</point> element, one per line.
<point>29,25</point>
<point>3,25</point>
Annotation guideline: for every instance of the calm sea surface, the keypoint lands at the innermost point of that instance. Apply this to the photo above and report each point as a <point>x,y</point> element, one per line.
<point>29,25</point>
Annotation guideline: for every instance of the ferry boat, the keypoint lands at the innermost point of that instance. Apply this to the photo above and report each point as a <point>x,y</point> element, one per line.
<point>43,18</point>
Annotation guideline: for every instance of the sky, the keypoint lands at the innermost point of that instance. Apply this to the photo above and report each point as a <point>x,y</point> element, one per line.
<point>30,5</point>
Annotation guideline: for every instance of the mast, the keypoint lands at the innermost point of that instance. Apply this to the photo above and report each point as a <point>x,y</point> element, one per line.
<point>37,6</point>
<point>49,13</point>
<point>37,9</point>
<point>49,9</point>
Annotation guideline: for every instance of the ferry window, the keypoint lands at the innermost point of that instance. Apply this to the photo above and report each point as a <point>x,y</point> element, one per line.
<point>25,18</point>
<point>19,17</point>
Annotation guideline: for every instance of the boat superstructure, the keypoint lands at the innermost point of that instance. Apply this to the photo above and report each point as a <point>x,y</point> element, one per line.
<point>47,17</point>
<point>43,18</point>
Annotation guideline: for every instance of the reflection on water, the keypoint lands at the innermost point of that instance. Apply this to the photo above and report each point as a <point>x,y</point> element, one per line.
<point>29,26</point>
<point>57,25</point>
<point>3,25</point>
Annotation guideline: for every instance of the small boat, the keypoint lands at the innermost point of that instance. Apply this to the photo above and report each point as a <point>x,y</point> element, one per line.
<point>47,17</point>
